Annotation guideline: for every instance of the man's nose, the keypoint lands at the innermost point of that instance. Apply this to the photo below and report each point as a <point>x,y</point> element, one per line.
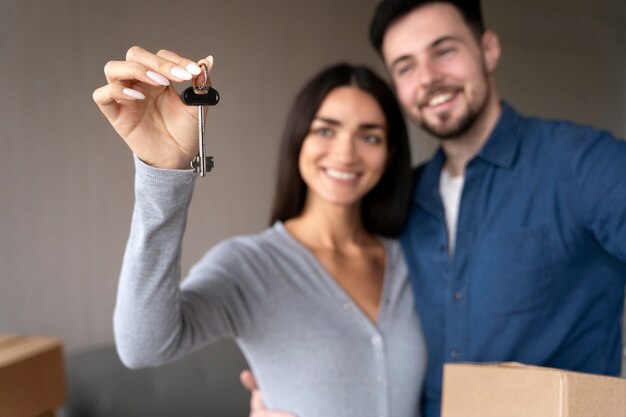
<point>428,74</point>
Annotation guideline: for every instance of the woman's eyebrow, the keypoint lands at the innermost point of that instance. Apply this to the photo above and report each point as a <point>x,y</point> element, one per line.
<point>362,126</point>
<point>327,121</point>
<point>372,126</point>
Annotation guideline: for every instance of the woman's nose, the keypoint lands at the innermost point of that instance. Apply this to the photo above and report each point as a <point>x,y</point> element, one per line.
<point>344,149</point>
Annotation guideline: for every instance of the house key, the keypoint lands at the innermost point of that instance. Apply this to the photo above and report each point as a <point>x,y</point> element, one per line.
<point>200,95</point>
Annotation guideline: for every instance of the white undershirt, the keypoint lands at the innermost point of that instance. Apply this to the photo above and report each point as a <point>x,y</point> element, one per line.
<point>450,189</point>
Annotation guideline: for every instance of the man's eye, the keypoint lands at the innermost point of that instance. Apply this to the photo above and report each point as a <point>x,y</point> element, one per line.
<point>404,69</point>
<point>445,51</point>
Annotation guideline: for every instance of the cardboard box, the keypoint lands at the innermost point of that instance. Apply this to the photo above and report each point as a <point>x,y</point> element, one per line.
<point>32,376</point>
<point>515,390</point>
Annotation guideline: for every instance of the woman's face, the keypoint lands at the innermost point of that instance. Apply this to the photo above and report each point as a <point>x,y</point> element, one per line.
<point>344,154</point>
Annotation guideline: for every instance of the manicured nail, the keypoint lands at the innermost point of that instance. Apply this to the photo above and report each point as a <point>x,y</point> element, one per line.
<point>210,60</point>
<point>193,68</point>
<point>181,73</point>
<point>157,78</point>
<point>133,93</point>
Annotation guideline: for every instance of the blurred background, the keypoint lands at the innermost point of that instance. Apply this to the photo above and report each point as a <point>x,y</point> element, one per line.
<point>66,179</point>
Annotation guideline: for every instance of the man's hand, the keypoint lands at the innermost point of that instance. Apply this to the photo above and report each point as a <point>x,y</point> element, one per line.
<point>257,407</point>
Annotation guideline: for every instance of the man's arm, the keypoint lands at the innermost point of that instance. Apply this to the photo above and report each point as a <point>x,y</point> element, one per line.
<point>597,191</point>
<point>598,196</point>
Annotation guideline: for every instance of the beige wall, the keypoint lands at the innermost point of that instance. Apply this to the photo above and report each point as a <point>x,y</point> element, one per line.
<point>66,179</point>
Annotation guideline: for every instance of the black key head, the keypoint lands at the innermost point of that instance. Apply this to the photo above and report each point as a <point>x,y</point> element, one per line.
<point>192,96</point>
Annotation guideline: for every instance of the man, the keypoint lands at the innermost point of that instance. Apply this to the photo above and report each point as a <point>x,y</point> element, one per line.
<point>516,240</point>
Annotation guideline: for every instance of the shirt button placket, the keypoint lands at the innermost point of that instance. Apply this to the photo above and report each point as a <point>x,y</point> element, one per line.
<point>456,309</point>
<point>378,345</point>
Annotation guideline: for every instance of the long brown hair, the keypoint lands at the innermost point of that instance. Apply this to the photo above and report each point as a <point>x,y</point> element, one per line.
<point>385,207</point>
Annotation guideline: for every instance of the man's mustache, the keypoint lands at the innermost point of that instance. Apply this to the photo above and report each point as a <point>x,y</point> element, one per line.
<point>436,90</point>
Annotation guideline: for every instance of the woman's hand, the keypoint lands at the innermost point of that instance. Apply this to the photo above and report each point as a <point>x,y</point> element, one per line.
<point>146,111</point>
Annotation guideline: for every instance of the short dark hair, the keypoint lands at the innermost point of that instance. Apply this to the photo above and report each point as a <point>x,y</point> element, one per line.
<point>389,11</point>
<point>385,207</point>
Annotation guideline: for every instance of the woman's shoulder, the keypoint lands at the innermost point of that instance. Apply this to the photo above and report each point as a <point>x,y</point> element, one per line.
<point>254,247</point>
<point>392,245</point>
<point>257,260</point>
<point>394,256</point>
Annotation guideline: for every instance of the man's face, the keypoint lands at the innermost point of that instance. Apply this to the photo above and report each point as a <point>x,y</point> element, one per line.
<point>438,68</point>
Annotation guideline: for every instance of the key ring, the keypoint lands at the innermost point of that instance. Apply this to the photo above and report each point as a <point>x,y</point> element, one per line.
<point>199,93</point>
<point>202,88</point>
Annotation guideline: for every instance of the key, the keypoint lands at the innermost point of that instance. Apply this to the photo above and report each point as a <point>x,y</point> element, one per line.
<point>201,95</point>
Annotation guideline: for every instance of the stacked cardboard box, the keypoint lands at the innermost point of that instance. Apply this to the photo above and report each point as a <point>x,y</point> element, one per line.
<point>516,390</point>
<point>32,377</point>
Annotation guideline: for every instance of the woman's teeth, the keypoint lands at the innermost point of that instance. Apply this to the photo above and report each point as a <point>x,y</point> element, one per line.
<point>340,175</point>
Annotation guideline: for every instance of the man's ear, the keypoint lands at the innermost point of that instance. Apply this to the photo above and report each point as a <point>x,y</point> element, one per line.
<point>491,50</point>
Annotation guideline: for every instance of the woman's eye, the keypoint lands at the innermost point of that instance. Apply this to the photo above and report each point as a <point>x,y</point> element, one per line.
<point>373,139</point>
<point>324,132</point>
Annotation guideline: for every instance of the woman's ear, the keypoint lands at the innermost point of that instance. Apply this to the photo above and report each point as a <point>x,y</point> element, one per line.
<point>491,50</point>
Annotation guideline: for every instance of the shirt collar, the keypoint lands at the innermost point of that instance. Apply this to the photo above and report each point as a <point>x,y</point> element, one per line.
<point>427,186</point>
<point>500,150</point>
<point>501,147</point>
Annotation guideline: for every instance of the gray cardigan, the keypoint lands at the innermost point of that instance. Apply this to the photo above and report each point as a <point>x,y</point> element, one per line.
<point>312,349</point>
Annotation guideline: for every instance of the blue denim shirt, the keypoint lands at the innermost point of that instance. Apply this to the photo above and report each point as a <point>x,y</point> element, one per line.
<point>539,269</point>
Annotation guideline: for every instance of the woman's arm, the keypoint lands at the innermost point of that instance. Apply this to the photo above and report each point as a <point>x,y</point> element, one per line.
<point>154,321</point>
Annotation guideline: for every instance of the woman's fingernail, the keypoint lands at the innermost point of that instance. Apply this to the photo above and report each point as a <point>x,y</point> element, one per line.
<point>210,60</point>
<point>181,73</point>
<point>133,93</point>
<point>157,78</point>
<point>193,68</point>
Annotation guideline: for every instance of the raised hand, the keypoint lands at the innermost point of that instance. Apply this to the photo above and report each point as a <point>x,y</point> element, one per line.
<point>143,107</point>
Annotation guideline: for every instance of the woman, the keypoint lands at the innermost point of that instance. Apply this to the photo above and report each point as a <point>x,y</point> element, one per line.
<point>319,303</point>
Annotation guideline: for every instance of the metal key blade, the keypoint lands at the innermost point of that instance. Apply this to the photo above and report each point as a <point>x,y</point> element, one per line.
<point>201,147</point>
<point>202,163</point>
<point>199,162</point>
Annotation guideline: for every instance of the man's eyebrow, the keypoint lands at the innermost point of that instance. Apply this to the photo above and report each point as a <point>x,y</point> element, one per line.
<point>437,42</point>
<point>447,38</point>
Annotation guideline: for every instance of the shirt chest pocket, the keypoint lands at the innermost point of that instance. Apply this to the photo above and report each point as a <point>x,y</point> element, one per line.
<point>514,272</point>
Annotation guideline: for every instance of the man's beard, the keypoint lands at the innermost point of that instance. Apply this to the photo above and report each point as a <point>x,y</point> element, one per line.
<point>467,120</point>
<point>444,132</point>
